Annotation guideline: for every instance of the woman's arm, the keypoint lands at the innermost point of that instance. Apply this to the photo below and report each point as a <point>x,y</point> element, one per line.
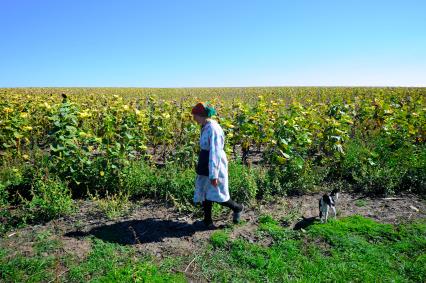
<point>215,154</point>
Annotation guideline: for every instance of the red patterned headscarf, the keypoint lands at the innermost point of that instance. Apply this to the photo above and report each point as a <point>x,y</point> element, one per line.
<point>199,110</point>
<point>203,110</point>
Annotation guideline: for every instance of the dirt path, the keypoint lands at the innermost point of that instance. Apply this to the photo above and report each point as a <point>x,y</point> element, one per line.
<point>161,231</point>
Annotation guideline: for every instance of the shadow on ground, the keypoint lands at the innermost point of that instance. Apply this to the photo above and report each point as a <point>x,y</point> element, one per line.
<point>304,223</point>
<point>139,231</point>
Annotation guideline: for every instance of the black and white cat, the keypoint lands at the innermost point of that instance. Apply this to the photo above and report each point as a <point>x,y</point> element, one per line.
<point>327,202</point>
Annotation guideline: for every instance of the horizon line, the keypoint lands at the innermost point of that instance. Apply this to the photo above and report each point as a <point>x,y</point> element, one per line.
<point>253,86</point>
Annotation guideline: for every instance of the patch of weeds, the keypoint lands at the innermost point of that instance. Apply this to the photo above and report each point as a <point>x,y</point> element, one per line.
<point>360,202</point>
<point>249,255</point>
<point>46,243</point>
<point>272,227</point>
<point>21,268</point>
<point>241,223</point>
<point>244,182</point>
<point>287,219</point>
<point>171,263</point>
<point>51,199</point>
<point>267,219</point>
<point>114,205</point>
<point>215,265</point>
<point>171,183</point>
<point>79,225</point>
<point>108,262</point>
<point>219,239</point>
<point>103,257</point>
<point>43,235</point>
<point>139,272</point>
<point>334,231</point>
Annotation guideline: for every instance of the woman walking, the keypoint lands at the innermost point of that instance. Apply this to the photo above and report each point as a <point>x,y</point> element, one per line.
<point>211,184</point>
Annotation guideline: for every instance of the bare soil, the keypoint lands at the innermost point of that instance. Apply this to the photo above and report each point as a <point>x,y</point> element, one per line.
<point>160,230</point>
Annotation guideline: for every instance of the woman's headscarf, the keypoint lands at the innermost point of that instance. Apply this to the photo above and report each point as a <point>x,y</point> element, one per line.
<point>204,109</point>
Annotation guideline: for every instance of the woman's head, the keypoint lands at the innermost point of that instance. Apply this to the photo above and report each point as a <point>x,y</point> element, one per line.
<point>202,111</point>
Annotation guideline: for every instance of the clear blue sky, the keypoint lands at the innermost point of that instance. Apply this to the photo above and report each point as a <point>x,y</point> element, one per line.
<point>182,43</point>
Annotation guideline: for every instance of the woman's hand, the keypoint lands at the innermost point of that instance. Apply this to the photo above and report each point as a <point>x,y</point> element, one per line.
<point>214,182</point>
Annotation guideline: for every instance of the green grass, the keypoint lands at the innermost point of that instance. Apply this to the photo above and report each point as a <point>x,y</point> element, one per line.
<point>105,263</point>
<point>113,263</point>
<point>352,249</point>
<point>219,238</point>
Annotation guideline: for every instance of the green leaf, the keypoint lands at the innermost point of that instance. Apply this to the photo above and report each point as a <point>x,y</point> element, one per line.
<point>285,155</point>
<point>18,135</point>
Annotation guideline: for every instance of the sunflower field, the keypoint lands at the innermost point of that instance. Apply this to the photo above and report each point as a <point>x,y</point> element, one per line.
<point>144,141</point>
